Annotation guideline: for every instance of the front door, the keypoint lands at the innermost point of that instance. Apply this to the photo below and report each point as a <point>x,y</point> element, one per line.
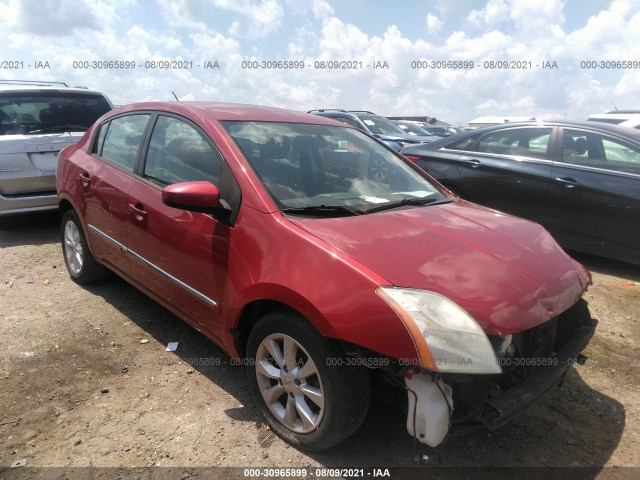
<point>179,256</point>
<point>510,171</point>
<point>594,201</point>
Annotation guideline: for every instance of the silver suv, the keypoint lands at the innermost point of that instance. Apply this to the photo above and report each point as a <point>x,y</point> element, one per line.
<point>37,120</point>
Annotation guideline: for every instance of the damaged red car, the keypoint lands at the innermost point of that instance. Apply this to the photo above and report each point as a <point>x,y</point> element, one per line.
<point>323,259</point>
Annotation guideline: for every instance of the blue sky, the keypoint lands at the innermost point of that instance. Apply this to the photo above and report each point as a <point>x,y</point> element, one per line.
<point>567,32</point>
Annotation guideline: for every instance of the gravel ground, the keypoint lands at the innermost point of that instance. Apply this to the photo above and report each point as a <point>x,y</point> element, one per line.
<point>85,381</point>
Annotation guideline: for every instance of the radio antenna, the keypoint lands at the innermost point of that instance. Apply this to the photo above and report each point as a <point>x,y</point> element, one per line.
<point>614,105</point>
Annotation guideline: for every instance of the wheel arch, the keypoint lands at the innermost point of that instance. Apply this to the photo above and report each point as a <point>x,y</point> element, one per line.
<point>64,205</point>
<point>257,308</point>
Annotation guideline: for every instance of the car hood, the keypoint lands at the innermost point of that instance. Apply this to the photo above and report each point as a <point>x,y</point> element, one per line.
<point>508,273</point>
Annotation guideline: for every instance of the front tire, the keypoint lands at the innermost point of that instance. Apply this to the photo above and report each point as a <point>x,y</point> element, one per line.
<point>78,259</point>
<point>301,382</point>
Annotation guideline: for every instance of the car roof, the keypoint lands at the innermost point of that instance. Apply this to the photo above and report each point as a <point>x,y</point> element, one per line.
<point>626,132</point>
<point>223,111</point>
<point>605,127</point>
<point>17,88</point>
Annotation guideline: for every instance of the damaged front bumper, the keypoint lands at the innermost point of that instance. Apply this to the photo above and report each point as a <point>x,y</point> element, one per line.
<point>533,362</point>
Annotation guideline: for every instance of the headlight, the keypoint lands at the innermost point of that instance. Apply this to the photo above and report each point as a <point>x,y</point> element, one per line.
<point>448,339</point>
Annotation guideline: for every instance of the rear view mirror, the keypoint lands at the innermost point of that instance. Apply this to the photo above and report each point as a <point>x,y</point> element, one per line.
<point>201,197</point>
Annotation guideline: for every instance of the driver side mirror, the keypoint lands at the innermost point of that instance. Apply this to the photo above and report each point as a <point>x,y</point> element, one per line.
<point>203,197</point>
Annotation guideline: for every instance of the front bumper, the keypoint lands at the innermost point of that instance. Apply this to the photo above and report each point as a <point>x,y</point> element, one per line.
<point>502,406</point>
<point>536,362</point>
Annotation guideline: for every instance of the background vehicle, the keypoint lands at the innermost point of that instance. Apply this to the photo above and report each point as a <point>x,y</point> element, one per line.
<point>375,125</point>
<point>580,180</point>
<point>37,120</point>
<point>411,128</point>
<point>441,131</point>
<point>226,215</point>
<point>622,118</point>
<point>416,127</point>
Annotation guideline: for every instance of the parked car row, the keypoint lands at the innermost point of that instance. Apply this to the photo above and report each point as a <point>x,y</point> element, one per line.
<point>580,180</point>
<point>414,127</point>
<point>380,127</point>
<point>325,259</point>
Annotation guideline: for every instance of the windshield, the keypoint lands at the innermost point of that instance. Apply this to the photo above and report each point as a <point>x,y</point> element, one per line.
<point>325,168</point>
<point>413,129</point>
<point>380,125</point>
<point>42,112</point>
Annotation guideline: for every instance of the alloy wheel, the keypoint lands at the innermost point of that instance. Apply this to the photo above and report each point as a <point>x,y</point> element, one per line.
<point>290,383</point>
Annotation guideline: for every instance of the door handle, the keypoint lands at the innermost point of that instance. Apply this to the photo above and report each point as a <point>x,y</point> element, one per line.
<point>473,163</point>
<point>568,182</point>
<point>85,181</point>
<point>137,212</point>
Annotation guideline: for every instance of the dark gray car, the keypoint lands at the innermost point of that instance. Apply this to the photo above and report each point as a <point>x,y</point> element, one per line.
<point>580,180</point>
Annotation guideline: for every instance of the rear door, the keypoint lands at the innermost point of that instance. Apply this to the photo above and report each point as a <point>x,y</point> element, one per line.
<point>103,180</point>
<point>509,170</point>
<point>594,201</point>
<point>179,256</point>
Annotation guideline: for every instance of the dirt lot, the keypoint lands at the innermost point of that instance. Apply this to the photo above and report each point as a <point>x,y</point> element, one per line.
<point>85,381</point>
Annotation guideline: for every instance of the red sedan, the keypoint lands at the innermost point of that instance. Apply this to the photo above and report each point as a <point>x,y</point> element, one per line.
<point>322,258</point>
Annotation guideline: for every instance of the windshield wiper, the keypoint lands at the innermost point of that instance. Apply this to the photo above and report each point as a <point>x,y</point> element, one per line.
<point>60,128</point>
<point>416,202</point>
<point>323,210</point>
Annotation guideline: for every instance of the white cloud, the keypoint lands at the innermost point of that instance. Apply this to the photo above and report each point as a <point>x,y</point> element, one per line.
<point>35,17</point>
<point>254,18</point>
<point>320,8</point>
<point>434,24</point>
<point>230,32</point>
<point>9,13</point>
<point>606,31</point>
<point>340,40</point>
<point>496,11</point>
<point>185,14</point>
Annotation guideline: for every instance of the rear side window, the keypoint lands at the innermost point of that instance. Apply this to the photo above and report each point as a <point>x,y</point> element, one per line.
<point>120,142</point>
<point>464,144</point>
<point>179,153</point>
<point>524,142</point>
<point>593,150</point>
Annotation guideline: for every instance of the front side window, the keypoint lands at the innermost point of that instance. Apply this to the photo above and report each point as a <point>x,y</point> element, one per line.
<point>120,142</point>
<point>179,153</point>
<point>522,142</point>
<point>599,151</point>
<point>318,167</point>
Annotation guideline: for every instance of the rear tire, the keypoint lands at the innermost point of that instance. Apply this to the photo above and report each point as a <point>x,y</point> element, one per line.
<point>300,381</point>
<point>78,259</point>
